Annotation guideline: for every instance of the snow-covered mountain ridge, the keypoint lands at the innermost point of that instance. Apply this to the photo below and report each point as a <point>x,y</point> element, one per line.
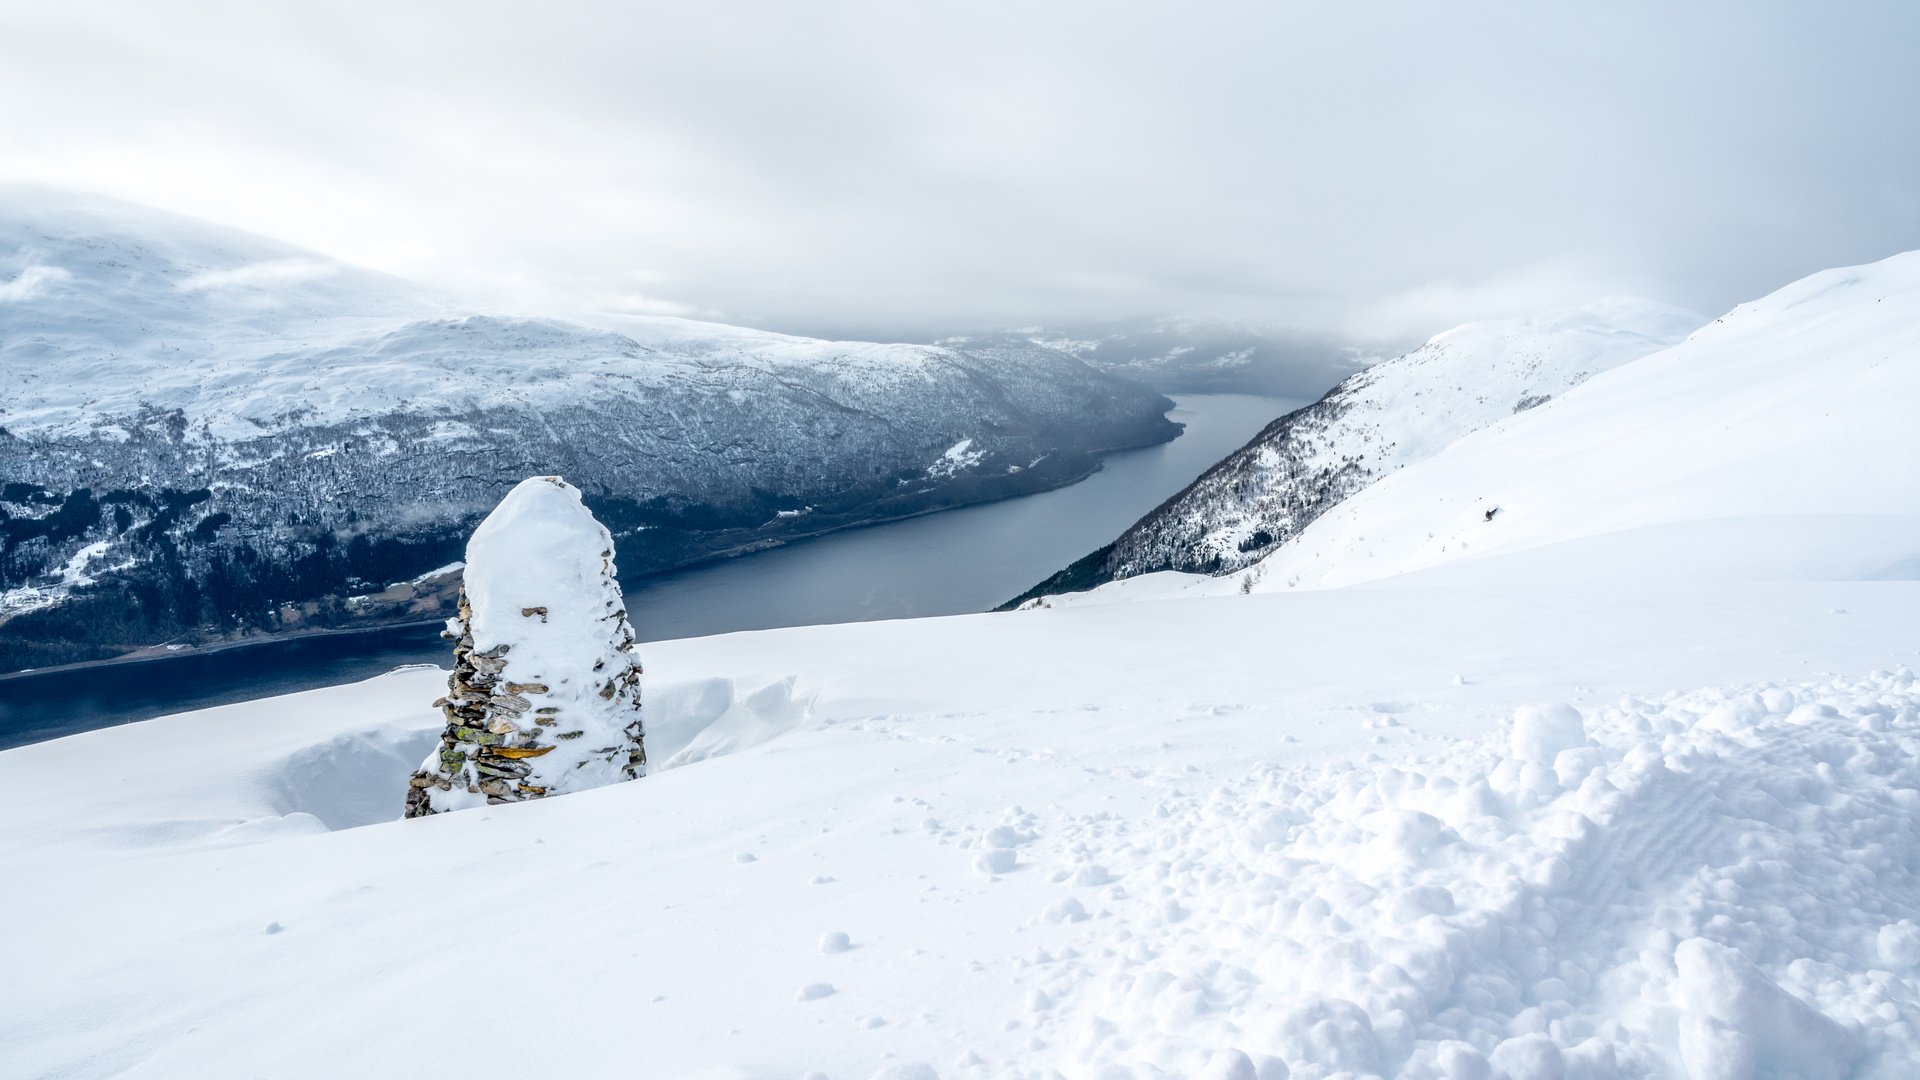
<point>1775,443</point>
<point>249,424</point>
<point>1371,424</point>
<point>1197,355</point>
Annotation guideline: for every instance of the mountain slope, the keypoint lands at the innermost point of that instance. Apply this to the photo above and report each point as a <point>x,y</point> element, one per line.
<point>241,425</point>
<point>1776,442</point>
<point>1372,424</point>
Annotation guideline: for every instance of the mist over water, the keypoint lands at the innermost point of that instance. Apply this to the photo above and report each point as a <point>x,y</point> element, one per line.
<point>949,563</point>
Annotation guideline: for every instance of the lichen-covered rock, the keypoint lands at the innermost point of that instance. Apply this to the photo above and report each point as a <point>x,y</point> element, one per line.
<point>544,697</point>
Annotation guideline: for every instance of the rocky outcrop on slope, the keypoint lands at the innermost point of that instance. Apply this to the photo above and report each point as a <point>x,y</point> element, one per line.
<point>202,430</point>
<point>1374,422</point>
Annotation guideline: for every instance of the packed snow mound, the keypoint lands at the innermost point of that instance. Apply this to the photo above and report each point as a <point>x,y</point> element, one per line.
<point>544,698</point>
<point>1775,442</point>
<point>1376,422</point>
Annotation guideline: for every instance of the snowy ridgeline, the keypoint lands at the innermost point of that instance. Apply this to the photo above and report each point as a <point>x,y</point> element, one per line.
<point>1773,443</point>
<point>1373,423</point>
<point>241,411</point>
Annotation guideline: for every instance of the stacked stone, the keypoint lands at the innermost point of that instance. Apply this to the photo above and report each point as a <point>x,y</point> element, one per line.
<point>489,735</point>
<point>536,688</point>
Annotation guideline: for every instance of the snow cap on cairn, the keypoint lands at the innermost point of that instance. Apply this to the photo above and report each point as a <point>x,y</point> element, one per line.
<point>545,693</point>
<point>540,578</point>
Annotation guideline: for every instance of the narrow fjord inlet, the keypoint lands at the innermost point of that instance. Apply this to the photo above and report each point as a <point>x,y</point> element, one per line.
<point>946,563</point>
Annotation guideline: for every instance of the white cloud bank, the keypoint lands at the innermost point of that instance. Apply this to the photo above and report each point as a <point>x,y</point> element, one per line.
<point>872,167</point>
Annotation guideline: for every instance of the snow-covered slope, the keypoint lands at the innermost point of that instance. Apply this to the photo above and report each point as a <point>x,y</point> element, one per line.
<point>1777,442</point>
<point>1375,422</point>
<point>1307,835</point>
<point>233,412</point>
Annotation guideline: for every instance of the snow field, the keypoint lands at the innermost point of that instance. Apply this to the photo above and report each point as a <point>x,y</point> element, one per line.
<point>1697,886</point>
<point>187,920</point>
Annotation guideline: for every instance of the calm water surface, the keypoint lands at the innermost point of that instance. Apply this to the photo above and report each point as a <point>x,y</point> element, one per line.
<point>947,563</point>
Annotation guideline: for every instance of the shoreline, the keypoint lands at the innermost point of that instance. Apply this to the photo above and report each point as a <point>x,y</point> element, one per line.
<point>148,656</point>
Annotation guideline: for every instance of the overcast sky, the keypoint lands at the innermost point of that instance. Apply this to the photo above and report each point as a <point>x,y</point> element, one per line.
<point>1374,169</point>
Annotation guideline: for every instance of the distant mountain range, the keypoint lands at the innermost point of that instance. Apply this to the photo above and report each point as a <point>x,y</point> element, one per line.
<point>1196,355</point>
<point>204,432</point>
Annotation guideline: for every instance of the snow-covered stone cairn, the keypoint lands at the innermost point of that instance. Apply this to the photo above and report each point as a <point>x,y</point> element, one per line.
<point>544,698</point>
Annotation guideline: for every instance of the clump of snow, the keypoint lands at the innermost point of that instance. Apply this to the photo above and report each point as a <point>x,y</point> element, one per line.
<point>1542,732</point>
<point>1899,944</point>
<point>1734,1019</point>
<point>545,692</point>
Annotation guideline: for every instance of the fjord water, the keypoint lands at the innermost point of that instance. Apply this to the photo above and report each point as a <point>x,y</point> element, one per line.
<point>949,563</point>
<point>970,559</point>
